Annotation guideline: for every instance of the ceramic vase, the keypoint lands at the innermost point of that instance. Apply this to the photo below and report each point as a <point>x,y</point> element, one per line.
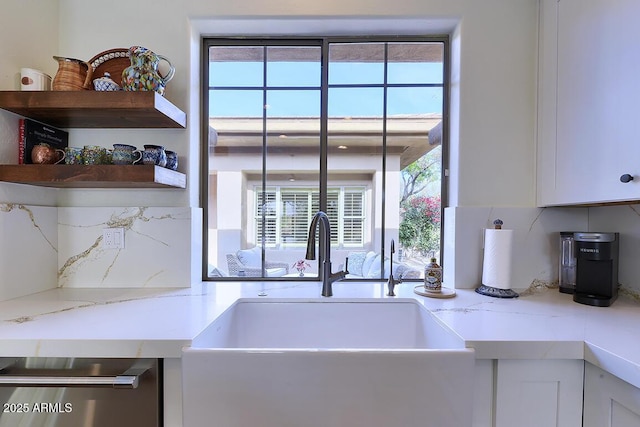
<point>143,73</point>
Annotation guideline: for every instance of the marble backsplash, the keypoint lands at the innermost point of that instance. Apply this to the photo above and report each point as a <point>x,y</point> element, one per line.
<point>28,249</point>
<point>158,249</point>
<point>535,248</point>
<point>535,257</point>
<point>626,221</point>
<point>47,247</point>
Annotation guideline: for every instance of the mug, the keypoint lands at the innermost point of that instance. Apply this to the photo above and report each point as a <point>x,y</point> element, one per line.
<point>172,160</point>
<point>44,154</point>
<point>93,155</point>
<point>154,155</point>
<point>107,157</point>
<point>31,79</point>
<point>125,154</point>
<point>73,155</point>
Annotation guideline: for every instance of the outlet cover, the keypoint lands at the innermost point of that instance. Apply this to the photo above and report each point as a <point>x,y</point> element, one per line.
<point>113,238</point>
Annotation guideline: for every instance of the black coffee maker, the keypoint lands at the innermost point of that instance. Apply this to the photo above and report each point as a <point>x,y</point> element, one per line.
<point>596,268</point>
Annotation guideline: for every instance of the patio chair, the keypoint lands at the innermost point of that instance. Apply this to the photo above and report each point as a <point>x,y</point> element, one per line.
<point>248,261</point>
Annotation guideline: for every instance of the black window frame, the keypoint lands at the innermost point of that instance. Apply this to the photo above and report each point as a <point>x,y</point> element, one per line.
<point>323,42</point>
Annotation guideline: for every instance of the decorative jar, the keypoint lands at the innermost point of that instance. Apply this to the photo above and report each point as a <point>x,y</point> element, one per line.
<point>143,73</point>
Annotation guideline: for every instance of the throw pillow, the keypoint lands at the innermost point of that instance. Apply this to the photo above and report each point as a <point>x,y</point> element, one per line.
<point>375,271</point>
<point>250,257</point>
<point>368,261</point>
<point>355,261</point>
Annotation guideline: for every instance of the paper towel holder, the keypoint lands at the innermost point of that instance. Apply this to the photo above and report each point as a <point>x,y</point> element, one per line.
<point>496,292</point>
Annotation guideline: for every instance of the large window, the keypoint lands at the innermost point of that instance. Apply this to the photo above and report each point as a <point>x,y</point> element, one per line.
<point>349,126</point>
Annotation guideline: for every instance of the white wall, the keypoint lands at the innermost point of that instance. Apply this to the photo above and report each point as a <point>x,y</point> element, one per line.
<point>29,34</point>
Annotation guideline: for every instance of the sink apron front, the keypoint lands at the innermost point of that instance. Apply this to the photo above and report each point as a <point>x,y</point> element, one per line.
<point>327,364</point>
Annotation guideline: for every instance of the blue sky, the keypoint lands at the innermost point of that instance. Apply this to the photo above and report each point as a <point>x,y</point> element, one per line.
<point>305,101</point>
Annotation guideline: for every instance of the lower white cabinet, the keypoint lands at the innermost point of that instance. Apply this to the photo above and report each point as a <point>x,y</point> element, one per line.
<point>483,393</point>
<point>534,393</point>
<point>609,401</point>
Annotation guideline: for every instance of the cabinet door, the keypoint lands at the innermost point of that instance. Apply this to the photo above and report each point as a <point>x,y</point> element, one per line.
<point>598,100</point>
<point>534,393</point>
<point>609,401</point>
<point>483,393</point>
<point>547,104</point>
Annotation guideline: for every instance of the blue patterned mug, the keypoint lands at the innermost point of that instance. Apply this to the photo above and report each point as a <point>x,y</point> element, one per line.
<point>172,160</point>
<point>154,155</point>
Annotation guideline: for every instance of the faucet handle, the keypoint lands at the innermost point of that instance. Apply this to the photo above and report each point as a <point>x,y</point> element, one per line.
<point>338,275</point>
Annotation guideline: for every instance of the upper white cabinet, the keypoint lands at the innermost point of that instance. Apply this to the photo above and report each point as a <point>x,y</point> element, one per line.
<point>589,102</point>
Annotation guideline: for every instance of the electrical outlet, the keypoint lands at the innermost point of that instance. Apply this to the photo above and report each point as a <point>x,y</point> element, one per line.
<point>113,238</point>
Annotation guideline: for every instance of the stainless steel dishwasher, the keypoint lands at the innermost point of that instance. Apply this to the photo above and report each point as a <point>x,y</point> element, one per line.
<point>80,392</point>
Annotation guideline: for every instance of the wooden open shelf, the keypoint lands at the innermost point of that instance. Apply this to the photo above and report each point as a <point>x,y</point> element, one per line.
<point>93,176</point>
<point>93,109</point>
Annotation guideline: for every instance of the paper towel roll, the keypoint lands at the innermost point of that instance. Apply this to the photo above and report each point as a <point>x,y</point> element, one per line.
<point>496,265</point>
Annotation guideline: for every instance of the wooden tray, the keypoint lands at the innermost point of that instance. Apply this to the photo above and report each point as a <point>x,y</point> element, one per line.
<point>113,61</point>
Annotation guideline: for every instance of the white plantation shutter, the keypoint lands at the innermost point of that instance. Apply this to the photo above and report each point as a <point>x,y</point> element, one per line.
<point>288,213</point>
<point>333,211</point>
<point>270,217</point>
<point>353,217</point>
<point>294,219</point>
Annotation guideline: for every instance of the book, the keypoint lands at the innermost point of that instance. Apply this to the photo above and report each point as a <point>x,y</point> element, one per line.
<point>31,133</point>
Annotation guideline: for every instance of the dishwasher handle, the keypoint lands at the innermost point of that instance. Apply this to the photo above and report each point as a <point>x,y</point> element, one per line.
<point>128,380</point>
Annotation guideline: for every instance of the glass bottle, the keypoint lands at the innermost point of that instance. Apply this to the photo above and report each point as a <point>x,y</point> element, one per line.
<point>433,277</point>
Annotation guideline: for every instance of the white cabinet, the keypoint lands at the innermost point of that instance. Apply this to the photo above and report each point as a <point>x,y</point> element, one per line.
<point>589,92</point>
<point>483,393</point>
<point>609,401</point>
<point>534,393</point>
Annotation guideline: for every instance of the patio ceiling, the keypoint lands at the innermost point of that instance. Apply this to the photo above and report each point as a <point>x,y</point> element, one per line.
<point>409,136</point>
<point>339,52</point>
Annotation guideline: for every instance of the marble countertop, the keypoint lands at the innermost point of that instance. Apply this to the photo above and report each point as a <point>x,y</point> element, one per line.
<point>540,324</point>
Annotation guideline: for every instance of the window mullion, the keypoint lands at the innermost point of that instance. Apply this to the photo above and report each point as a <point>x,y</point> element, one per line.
<point>278,201</point>
<point>264,156</point>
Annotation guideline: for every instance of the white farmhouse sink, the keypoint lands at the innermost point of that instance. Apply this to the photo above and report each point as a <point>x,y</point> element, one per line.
<point>327,362</point>
<point>338,324</point>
